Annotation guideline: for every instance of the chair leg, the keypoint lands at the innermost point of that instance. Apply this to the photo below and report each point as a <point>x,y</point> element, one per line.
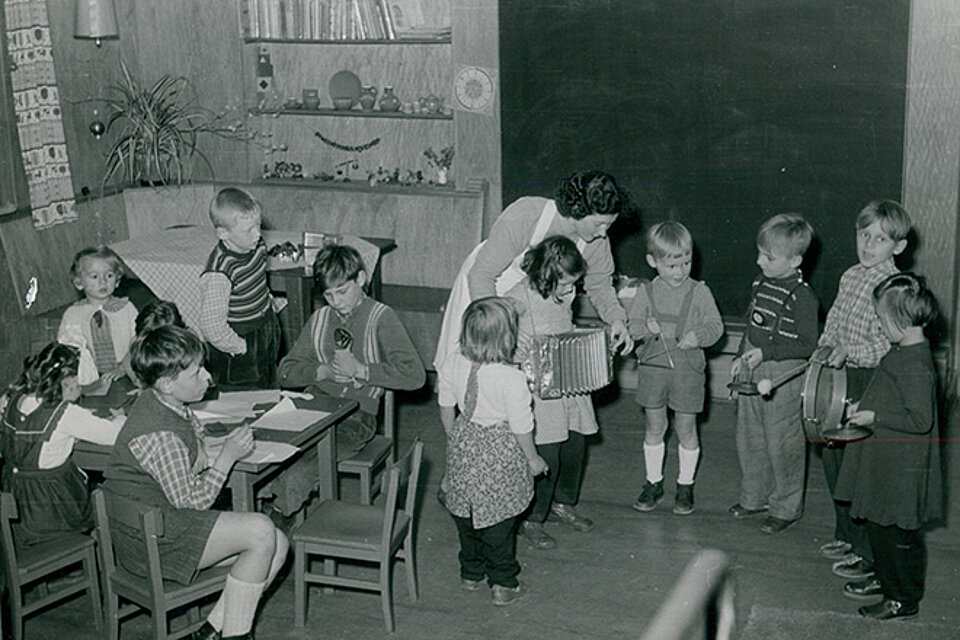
<point>16,612</point>
<point>113,616</point>
<point>330,569</point>
<point>90,570</point>
<point>300,592</point>
<point>410,560</point>
<point>366,490</point>
<point>159,618</point>
<point>386,593</point>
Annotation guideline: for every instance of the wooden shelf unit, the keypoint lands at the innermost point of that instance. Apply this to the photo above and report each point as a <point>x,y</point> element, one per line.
<point>351,113</point>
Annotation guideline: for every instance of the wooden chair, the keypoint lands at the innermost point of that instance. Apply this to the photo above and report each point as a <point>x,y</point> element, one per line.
<point>35,566</point>
<point>362,533</point>
<point>375,454</point>
<point>160,597</point>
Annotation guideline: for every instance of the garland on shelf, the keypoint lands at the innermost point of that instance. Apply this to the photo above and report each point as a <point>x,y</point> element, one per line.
<point>343,147</point>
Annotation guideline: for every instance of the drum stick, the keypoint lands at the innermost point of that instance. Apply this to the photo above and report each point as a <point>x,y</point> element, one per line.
<point>766,385</point>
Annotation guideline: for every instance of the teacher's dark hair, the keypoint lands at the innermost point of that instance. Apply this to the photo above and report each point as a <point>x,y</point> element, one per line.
<point>590,193</point>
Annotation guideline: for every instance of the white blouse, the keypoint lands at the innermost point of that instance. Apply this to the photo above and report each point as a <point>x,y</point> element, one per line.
<point>502,392</point>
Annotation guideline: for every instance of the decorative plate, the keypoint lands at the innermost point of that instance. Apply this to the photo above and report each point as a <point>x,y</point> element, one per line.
<point>473,89</point>
<point>345,84</point>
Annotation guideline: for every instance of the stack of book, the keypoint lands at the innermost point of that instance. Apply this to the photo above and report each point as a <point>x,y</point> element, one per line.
<point>339,20</point>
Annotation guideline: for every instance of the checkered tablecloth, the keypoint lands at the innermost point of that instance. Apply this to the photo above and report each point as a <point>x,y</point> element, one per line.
<point>170,262</point>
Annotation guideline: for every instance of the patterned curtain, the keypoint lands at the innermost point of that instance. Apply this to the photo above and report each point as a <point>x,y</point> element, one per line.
<point>37,108</point>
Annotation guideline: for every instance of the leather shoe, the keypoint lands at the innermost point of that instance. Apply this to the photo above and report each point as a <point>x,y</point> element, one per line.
<point>205,632</point>
<point>566,514</point>
<point>835,549</point>
<point>740,511</point>
<point>534,534</point>
<point>863,589</point>
<point>890,610</point>
<point>857,569</point>
<point>775,525</point>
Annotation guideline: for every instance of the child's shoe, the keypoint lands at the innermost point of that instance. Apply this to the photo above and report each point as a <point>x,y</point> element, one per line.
<point>652,494</point>
<point>471,585</point>
<point>502,596</point>
<point>683,506</point>
<point>835,549</point>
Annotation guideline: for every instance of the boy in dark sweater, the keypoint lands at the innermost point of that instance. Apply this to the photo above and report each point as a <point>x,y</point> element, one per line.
<point>781,334</point>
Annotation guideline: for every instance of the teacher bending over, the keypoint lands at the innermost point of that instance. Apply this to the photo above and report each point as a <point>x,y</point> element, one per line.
<point>583,208</point>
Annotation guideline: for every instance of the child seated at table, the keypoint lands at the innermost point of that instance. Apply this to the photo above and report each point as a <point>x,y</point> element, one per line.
<point>237,316</point>
<point>354,347</point>
<point>41,423</point>
<point>159,461</point>
<point>155,314</point>
<point>101,325</point>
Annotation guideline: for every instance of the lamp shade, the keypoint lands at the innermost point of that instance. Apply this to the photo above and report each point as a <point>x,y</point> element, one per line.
<point>96,20</point>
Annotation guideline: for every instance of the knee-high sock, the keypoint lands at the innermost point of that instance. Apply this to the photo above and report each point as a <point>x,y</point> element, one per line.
<point>688,464</point>
<point>653,458</point>
<point>240,600</point>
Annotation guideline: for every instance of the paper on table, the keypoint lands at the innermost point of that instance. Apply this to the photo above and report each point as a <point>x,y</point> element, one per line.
<point>266,451</point>
<point>285,416</point>
<point>205,416</point>
<point>259,396</point>
<point>238,404</point>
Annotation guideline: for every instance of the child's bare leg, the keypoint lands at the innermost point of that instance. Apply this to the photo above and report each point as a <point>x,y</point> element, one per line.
<point>688,446</point>
<point>653,450</point>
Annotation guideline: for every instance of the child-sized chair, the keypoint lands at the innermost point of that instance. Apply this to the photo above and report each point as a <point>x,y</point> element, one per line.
<point>362,533</point>
<point>35,566</point>
<point>375,454</point>
<point>153,593</point>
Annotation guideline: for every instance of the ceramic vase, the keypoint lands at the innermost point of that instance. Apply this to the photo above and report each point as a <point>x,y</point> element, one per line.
<point>368,98</point>
<point>389,101</point>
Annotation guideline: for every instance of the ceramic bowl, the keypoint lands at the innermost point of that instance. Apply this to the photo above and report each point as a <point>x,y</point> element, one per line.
<point>342,104</point>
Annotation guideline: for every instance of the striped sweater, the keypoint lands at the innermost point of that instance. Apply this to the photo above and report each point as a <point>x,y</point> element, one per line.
<point>247,272</point>
<point>782,318</point>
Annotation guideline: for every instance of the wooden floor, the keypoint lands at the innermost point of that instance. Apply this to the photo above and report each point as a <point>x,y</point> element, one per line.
<point>608,583</point>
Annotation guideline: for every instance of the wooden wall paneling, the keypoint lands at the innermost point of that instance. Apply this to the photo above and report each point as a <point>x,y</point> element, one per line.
<point>150,210</point>
<point>14,333</point>
<point>932,153</point>
<point>476,42</point>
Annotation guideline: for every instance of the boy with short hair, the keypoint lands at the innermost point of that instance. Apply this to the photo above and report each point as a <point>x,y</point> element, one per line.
<point>852,338</point>
<point>353,347</point>
<point>781,333</point>
<point>673,319</point>
<point>101,325</point>
<point>237,316</point>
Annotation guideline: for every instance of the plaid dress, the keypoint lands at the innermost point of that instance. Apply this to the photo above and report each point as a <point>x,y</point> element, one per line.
<point>488,478</point>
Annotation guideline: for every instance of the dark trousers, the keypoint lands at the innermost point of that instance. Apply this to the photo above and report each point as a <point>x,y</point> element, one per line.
<point>255,369</point>
<point>490,552</point>
<point>899,560</point>
<point>562,483</point>
<point>831,455</point>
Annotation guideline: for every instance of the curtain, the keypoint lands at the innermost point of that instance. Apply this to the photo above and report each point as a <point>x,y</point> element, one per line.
<point>37,109</point>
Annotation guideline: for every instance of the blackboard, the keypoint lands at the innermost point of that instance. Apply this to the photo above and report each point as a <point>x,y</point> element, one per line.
<point>716,113</point>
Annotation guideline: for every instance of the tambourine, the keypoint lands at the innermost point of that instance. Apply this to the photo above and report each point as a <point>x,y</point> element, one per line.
<point>825,400</point>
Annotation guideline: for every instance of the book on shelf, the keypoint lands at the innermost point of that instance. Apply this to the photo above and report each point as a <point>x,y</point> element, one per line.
<point>339,20</point>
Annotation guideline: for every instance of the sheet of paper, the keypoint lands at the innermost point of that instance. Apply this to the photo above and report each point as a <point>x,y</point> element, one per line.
<point>259,396</point>
<point>266,451</point>
<point>285,416</point>
<point>205,416</point>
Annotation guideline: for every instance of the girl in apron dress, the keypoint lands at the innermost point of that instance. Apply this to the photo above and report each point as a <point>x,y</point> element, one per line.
<point>544,301</point>
<point>491,458</point>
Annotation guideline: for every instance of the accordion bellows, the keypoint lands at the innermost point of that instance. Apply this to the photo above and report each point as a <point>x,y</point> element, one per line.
<point>571,363</point>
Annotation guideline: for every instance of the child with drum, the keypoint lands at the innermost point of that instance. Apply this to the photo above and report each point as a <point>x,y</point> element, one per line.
<point>892,479</point>
<point>781,333</point>
<point>853,339</point>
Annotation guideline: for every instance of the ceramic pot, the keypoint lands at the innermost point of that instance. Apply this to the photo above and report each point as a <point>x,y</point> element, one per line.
<point>311,99</point>
<point>368,98</point>
<point>389,101</point>
<point>432,104</point>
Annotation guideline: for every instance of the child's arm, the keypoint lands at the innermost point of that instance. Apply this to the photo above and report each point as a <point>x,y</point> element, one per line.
<point>400,366</point>
<point>81,423</point>
<point>70,332</point>
<point>447,417</point>
<point>537,464</point>
<point>518,402</point>
<point>638,314</point>
<point>300,367</point>
<point>911,408</point>
<point>215,295</point>
<point>711,324</point>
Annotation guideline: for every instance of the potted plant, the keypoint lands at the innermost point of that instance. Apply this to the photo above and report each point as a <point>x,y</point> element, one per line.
<point>160,128</point>
<point>440,161</point>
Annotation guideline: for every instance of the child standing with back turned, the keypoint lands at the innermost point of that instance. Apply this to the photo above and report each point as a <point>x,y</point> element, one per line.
<point>544,303</point>
<point>101,325</point>
<point>237,316</point>
<point>853,338</point>
<point>893,479</point>
<point>491,457</point>
<point>673,318</point>
<point>781,334</point>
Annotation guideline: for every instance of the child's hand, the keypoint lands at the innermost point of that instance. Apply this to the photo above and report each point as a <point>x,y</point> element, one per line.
<point>238,444</point>
<point>345,363</point>
<point>653,326</point>
<point>689,341</point>
<point>324,372</point>
<point>862,418</point>
<point>538,465</point>
<point>821,354</point>
<point>752,358</point>
<point>736,367</point>
<point>837,357</point>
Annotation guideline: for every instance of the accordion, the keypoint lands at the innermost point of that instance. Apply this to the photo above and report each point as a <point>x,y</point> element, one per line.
<point>569,364</point>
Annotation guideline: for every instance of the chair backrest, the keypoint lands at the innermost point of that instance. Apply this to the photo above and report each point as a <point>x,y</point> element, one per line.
<point>389,417</point>
<point>403,477</point>
<point>147,520</point>
<point>8,513</point>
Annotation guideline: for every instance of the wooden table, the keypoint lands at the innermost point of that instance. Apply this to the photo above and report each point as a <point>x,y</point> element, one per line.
<point>245,476</point>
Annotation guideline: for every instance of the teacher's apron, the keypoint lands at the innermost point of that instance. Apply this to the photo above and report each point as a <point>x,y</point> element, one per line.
<point>459,298</point>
